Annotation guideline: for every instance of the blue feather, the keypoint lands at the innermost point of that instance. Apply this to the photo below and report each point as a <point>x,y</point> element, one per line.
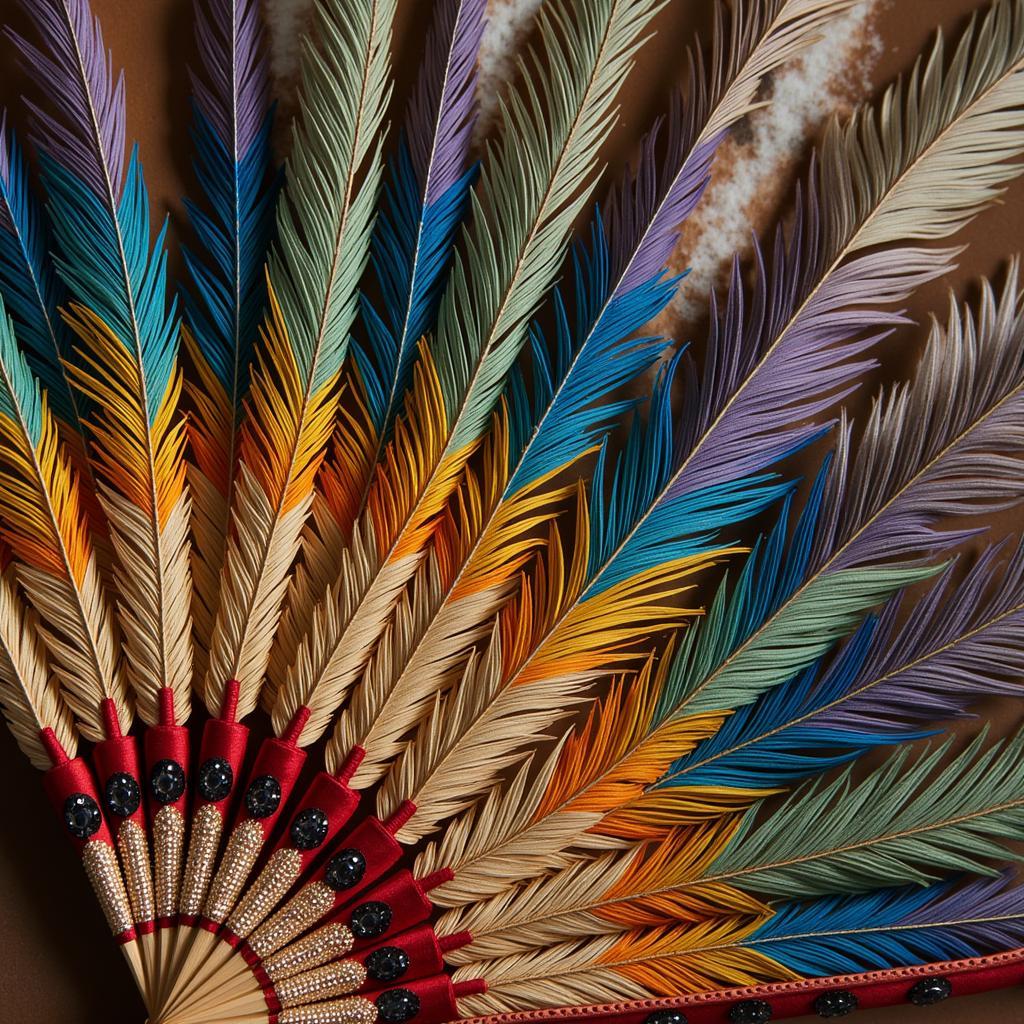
<point>29,283</point>
<point>228,291</point>
<point>638,524</point>
<point>411,251</point>
<point>126,286</point>
<point>893,927</point>
<point>591,355</point>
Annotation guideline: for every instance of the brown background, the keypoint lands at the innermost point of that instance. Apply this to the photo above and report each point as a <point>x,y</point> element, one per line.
<point>57,963</point>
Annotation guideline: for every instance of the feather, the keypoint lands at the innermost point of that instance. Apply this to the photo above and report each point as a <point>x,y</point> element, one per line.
<point>29,696</point>
<point>424,204</point>
<point>890,828</point>
<point>127,362</point>
<point>45,528</point>
<point>602,771</point>
<point>32,292</point>
<point>512,249</point>
<point>30,285</point>
<point>880,930</point>
<point>893,928</point>
<point>324,222</point>
<point>231,134</point>
<point>955,646</point>
<point>617,289</point>
<point>781,356</point>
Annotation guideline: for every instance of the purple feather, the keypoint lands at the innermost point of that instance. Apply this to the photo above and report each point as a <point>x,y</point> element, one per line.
<point>645,213</point>
<point>86,131</point>
<point>781,358</point>
<point>958,644</point>
<point>987,913</point>
<point>442,108</point>
<point>948,445</point>
<point>234,94</point>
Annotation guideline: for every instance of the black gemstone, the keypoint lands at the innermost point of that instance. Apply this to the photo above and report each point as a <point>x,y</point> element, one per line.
<point>835,1004</point>
<point>388,963</point>
<point>309,829</point>
<point>122,795</point>
<point>215,779</point>
<point>345,869</point>
<point>82,816</point>
<point>751,1011</point>
<point>264,797</point>
<point>665,1017</point>
<point>397,1005</point>
<point>370,920</point>
<point>167,782</point>
<point>929,991</point>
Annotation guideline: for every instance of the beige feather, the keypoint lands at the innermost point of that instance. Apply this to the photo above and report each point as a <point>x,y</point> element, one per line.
<point>349,621</point>
<point>252,587</point>
<point>28,693</point>
<point>161,653</point>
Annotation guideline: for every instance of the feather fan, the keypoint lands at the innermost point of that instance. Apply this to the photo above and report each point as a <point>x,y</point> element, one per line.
<point>642,713</point>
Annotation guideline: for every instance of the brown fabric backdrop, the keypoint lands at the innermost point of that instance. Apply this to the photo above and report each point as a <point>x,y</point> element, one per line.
<point>57,963</point>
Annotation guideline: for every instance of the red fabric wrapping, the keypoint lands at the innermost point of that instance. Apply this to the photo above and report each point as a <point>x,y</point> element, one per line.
<point>227,740</point>
<point>166,743</point>
<point>113,756</point>
<point>796,998</point>
<point>336,800</point>
<point>284,762</point>
<point>381,852</point>
<point>64,780</point>
<point>419,944</point>
<point>437,997</point>
<point>409,906</point>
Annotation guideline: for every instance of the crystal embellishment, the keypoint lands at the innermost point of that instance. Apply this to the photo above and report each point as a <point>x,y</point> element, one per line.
<point>82,816</point>
<point>122,795</point>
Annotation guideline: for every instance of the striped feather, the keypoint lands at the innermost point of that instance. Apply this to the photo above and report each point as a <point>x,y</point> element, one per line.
<point>521,220</point>
<point>127,364</point>
<point>46,529</point>
<point>233,224</point>
<point>324,221</point>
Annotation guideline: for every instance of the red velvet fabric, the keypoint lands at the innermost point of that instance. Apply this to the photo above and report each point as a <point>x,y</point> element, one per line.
<point>113,756</point>
<point>284,762</point>
<point>226,740</point>
<point>167,743</point>
<point>335,799</point>
<point>381,852</point>
<point>419,944</point>
<point>409,906</point>
<point>66,779</point>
